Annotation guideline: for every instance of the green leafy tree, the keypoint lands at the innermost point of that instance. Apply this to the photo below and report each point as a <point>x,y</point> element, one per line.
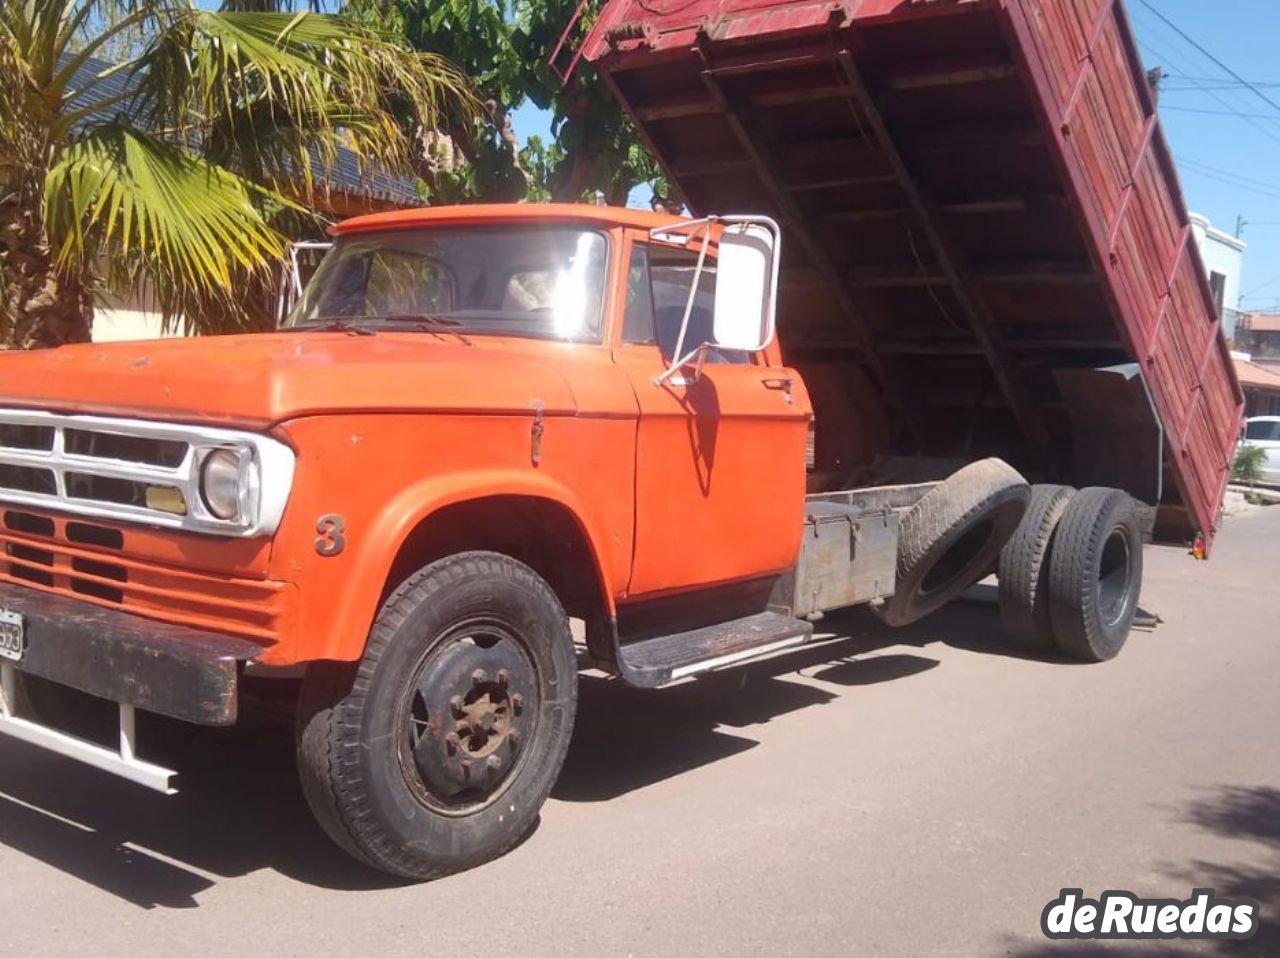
<point>505,45</point>
<point>185,184</point>
<point>1248,464</point>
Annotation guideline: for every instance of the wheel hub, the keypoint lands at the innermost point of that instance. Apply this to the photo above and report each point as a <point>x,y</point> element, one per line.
<point>469,711</point>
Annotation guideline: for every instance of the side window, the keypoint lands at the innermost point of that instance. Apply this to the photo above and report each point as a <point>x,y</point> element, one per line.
<point>637,319</point>
<point>657,294</point>
<point>1218,286</point>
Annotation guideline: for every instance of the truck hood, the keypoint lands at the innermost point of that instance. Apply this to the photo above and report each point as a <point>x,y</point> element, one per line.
<point>266,378</point>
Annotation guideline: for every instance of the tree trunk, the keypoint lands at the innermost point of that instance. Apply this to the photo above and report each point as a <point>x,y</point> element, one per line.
<point>41,307</point>
<point>572,179</point>
<point>576,172</point>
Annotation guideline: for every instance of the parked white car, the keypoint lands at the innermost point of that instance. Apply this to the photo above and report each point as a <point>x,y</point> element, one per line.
<point>1264,432</point>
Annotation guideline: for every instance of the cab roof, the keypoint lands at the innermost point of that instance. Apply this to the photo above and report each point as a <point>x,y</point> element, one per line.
<point>508,213</point>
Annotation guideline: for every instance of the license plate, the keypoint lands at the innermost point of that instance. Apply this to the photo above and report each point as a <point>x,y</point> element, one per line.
<point>13,639</point>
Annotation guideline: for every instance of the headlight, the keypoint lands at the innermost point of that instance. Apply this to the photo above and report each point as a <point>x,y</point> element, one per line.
<point>230,485</point>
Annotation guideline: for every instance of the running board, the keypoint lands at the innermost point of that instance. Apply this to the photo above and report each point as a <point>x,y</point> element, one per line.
<point>651,663</point>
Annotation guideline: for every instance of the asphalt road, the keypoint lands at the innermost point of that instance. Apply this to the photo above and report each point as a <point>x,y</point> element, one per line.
<point>883,794</point>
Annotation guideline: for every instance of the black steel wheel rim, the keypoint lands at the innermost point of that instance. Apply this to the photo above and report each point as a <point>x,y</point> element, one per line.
<point>1115,572</point>
<point>467,715</point>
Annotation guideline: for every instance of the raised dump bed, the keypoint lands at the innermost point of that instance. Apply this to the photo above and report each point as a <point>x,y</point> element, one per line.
<point>987,250</point>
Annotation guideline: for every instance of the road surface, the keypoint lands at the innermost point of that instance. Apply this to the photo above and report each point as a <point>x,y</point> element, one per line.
<point>910,793</point>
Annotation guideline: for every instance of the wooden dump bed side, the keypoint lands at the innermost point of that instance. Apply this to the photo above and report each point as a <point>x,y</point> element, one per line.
<point>982,214</point>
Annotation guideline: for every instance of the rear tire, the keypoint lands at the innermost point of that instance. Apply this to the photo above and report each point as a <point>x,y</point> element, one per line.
<point>436,750</point>
<point>950,538</point>
<point>1024,570</point>
<point>1095,574</point>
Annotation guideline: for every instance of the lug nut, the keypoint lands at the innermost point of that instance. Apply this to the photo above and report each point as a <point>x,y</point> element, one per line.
<point>479,677</point>
<point>517,703</point>
<point>466,769</point>
<point>494,763</point>
<point>455,706</point>
<point>514,737</point>
<point>504,676</point>
<point>451,741</point>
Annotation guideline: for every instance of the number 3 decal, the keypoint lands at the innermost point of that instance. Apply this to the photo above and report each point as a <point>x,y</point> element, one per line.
<point>331,541</point>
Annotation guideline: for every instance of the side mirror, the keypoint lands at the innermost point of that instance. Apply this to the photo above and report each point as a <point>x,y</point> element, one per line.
<point>746,287</point>
<point>747,262</point>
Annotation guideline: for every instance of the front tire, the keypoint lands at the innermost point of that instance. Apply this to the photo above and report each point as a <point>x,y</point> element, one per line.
<point>436,750</point>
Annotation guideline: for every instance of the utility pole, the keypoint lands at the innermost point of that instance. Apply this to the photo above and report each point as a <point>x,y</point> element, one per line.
<point>1241,223</point>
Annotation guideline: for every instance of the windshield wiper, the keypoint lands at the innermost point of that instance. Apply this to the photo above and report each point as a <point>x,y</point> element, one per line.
<point>429,323</point>
<point>336,326</point>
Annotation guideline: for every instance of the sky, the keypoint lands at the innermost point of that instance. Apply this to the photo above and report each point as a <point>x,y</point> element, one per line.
<point>1224,136</point>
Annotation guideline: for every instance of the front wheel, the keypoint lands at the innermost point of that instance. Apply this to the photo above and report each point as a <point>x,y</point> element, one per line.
<point>436,750</point>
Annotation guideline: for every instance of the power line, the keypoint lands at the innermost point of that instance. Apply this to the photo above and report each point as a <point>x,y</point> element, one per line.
<point>1265,184</point>
<point>1232,113</point>
<point>1271,194</point>
<point>1181,87</point>
<point>1217,80</point>
<point>1269,134</point>
<point>1178,30</point>
<point>1258,289</point>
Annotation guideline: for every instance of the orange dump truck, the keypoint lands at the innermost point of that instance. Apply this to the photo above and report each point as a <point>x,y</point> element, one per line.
<point>479,423</point>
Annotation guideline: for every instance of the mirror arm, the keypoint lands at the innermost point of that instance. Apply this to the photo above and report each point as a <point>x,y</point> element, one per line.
<point>696,356</point>
<point>693,288</point>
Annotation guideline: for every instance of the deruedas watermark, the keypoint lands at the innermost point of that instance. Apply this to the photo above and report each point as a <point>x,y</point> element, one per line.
<point>1123,915</point>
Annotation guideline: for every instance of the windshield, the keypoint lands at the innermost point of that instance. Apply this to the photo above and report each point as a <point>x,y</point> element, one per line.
<point>545,282</point>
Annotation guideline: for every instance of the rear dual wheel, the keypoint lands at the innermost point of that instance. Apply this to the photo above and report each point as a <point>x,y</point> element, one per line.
<point>1071,575</point>
<point>1095,574</point>
<point>1023,570</point>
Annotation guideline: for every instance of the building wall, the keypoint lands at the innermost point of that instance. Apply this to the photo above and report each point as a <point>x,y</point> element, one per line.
<point>1223,257</point>
<point>111,325</point>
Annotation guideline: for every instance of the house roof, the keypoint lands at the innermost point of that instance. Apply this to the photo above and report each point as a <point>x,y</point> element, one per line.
<point>345,176</point>
<point>1253,376</point>
<point>1263,323</point>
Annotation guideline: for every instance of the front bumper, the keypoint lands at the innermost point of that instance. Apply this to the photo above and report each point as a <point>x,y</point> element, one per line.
<point>174,670</point>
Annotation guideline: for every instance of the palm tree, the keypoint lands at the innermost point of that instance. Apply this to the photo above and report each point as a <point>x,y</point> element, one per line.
<point>184,179</point>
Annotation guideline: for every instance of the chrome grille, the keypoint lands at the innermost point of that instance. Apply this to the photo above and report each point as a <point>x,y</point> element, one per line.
<point>131,469</point>
<point>17,436</point>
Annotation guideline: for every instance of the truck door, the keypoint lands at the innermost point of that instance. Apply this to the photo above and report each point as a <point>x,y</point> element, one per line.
<point>720,455</point>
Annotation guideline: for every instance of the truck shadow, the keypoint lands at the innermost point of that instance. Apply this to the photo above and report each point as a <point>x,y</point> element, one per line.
<point>241,808</point>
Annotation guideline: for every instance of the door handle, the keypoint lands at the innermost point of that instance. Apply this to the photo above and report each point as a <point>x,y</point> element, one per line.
<point>780,382</point>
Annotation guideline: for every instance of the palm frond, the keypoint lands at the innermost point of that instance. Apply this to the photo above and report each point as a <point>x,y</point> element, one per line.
<point>155,210</point>
<point>305,80</point>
